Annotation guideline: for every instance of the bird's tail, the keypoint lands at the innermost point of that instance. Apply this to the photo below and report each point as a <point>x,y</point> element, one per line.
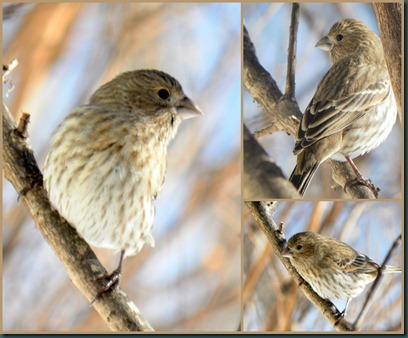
<point>301,179</point>
<point>391,269</point>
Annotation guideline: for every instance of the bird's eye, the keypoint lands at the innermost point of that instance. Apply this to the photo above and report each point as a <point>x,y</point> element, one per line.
<point>339,37</point>
<point>299,247</point>
<point>163,93</point>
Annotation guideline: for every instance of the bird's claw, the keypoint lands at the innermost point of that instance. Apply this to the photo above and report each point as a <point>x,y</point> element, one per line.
<point>363,181</point>
<point>113,280</point>
<point>339,316</point>
<point>34,182</point>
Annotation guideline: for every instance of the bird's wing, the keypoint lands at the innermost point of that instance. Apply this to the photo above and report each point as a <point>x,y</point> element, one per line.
<point>348,260</point>
<point>347,90</point>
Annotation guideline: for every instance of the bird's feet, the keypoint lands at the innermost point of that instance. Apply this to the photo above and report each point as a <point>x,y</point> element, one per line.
<point>364,181</point>
<point>339,315</point>
<point>360,179</point>
<point>112,280</point>
<point>112,283</point>
<point>35,181</point>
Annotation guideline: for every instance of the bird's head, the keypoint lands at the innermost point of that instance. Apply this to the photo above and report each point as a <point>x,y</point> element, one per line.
<point>148,91</point>
<point>346,37</point>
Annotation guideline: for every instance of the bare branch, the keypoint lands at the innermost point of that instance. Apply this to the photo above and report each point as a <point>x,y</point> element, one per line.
<point>22,129</point>
<point>389,22</point>
<point>290,75</point>
<point>264,90</point>
<point>342,173</point>
<point>365,308</point>
<point>9,68</point>
<point>262,177</point>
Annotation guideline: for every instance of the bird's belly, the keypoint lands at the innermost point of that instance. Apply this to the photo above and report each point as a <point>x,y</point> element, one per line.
<point>115,219</point>
<point>367,133</point>
<point>339,285</point>
<point>114,208</point>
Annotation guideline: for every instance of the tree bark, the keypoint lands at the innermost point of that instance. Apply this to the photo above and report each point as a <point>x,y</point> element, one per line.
<point>262,177</point>
<point>389,22</point>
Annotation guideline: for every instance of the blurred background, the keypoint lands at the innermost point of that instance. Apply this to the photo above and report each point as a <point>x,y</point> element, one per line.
<point>191,279</point>
<point>268,26</point>
<point>273,301</point>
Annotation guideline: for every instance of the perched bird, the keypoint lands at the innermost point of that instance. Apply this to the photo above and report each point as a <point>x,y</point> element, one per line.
<point>353,109</point>
<point>333,269</point>
<point>107,161</point>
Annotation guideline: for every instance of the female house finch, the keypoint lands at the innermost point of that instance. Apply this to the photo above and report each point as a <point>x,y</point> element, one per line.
<point>353,109</point>
<point>108,158</point>
<point>333,269</point>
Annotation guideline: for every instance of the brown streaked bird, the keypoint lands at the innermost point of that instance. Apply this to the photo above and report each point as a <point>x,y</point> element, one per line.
<point>353,109</point>
<point>333,269</point>
<point>107,160</point>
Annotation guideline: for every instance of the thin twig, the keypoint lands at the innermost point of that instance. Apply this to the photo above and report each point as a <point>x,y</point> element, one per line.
<point>9,68</point>
<point>22,127</point>
<point>290,76</point>
<point>375,284</point>
<point>265,91</point>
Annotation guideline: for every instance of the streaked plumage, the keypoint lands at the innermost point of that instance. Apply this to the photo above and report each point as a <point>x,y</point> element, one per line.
<point>353,109</point>
<point>108,158</point>
<point>332,268</point>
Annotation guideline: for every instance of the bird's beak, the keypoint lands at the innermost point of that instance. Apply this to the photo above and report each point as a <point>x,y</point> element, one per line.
<point>186,109</point>
<point>324,43</point>
<point>287,253</point>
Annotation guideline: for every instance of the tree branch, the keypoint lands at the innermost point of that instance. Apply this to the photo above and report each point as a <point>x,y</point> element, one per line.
<point>277,240</point>
<point>262,177</point>
<point>290,75</point>
<point>21,169</point>
<point>389,22</point>
<point>342,173</point>
<point>264,90</point>
<point>365,308</point>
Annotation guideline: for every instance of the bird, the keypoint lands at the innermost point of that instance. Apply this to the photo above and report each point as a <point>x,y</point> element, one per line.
<point>107,161</point>
<point>353,109</point>
<point>333,269</point>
